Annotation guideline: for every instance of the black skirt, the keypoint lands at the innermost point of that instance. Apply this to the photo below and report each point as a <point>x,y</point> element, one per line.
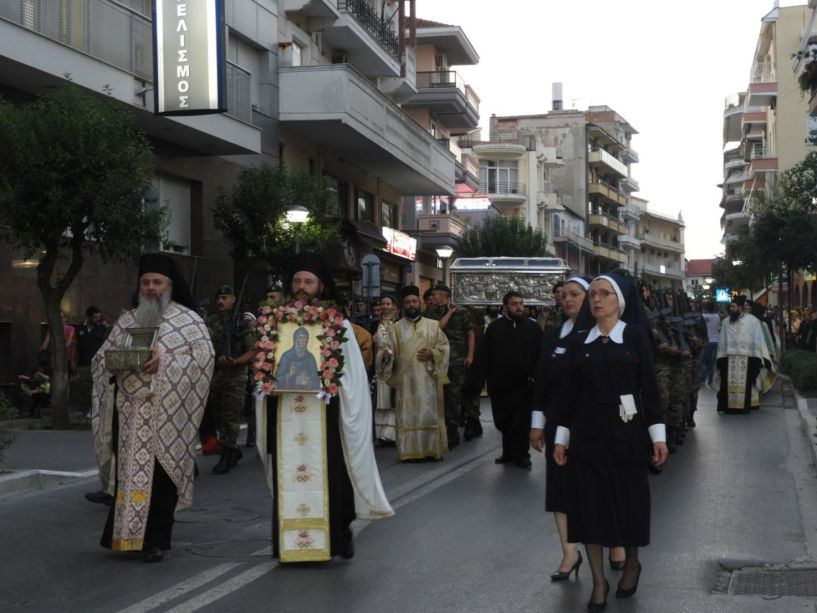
<point>556,477</point>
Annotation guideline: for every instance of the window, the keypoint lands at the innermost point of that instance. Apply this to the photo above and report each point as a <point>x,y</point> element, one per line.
<point>365,206</point>
<point>174,196</point>
<point>388,215</point>
<point>498,177</point>
<point>336,208</point>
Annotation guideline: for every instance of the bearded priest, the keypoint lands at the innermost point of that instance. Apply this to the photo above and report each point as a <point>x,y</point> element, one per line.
<point>316,447</point>
<point>145,422</point>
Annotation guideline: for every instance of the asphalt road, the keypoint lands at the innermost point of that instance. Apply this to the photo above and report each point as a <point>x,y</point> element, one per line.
<point>468,536</point>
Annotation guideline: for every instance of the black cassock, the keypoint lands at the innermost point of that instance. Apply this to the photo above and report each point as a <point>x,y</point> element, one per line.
<point>506,359</point>
<point>609,496</point>
<point>341,494</point>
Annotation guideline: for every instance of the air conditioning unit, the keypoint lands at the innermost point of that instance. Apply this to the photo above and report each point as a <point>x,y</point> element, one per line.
<point>340,57</point>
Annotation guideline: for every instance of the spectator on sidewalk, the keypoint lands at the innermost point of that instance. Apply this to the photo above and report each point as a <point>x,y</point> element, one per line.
<point>713,330</point>
<point>90,335</point>
<point>70,342</point>
<point>35,388</point>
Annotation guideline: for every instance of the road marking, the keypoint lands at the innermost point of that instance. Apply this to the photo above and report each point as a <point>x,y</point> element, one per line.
<point>180,588</point>
<point>236,583</point>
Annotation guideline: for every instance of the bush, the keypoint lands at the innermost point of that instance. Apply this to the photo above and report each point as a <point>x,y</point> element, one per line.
<point>7,415</point>
<point>801,366</point>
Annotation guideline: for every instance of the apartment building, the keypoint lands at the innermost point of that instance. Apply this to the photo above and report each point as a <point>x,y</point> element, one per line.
<point>659,261</point>
<point>314,84</point>
<point>592,184</point>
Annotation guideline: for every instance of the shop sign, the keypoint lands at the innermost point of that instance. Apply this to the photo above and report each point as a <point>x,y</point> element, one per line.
<point>188,52</point>
<point>400,243</point>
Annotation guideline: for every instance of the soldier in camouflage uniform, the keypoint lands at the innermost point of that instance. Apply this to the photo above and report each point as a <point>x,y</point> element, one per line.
<point>459,329</point>
<point>698,339</point>
<point>234,342</point>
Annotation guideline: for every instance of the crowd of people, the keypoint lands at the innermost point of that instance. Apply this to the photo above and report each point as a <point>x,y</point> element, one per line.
<point>604,383</point>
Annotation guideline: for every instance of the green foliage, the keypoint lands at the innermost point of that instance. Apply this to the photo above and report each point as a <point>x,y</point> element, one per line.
<point>502,236</point>
<point>7,415</point>
<point>807,79</point>
<point>252,216</point>
<point>73,172</point>
<point>72,175</point>
<point>801,366</point>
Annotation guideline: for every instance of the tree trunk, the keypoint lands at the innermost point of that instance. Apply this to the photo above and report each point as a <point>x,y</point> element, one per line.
<point>59,359</point>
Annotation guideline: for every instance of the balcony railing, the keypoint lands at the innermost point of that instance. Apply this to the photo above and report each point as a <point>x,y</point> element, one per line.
<point>759,152</point>
<point>470,164</point>
<point>577,239</point>
<point>764,72</point>
<point>239,103</point>
<point>447,79</point>
<point>377,27</point>
<point>99,28</point>
<point>502,187</point>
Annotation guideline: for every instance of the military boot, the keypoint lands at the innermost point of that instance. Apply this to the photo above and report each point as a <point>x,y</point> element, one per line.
<point>229,458</point>
<point>453,437</point>
<point>473,429</point>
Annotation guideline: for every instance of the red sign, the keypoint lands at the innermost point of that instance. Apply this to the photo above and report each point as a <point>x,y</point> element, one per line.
<point>400,243</point>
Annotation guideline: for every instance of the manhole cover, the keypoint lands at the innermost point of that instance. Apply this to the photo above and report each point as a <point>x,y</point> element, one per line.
<point>760,582</point>
<point>232,515</point>
<point>232,549</point>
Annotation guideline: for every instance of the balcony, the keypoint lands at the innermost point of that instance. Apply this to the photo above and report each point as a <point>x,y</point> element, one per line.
<point>600,156</point>
<point>761,159</point>
<point>631,213</point>
<point>549,201</point>
<point>606,222</point>
<point>467,173</point>
<point>609,253</point>
<point>650,239</point>
<point>761,93</point>
<point>660,270</point>
<point>445,94</point>
<point>607,192</point>
<point>504,195</point>
<point>629,243</point>
<point>498,150</point>
<point>629,155</point>
<point>101,43</point>
<point>738,162</point>
<point>755,133</point>
<point>753,117</point>
<point>335,107</point>
<point>319,12</point>
<point>582,242</point>
<point>438,230</point>
<point>362,38</point>
<point>629,184</point>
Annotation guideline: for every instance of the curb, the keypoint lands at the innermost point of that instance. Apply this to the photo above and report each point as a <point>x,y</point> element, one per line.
<point>808,420</point>
<point>26,481</point>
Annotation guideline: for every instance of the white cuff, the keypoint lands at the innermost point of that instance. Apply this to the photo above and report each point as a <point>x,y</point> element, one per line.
<point>562,436</point>
<point>658,433</point>
<point>537,420</point>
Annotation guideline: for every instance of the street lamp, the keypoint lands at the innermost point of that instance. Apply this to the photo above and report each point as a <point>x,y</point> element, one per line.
<point>444,253</point>
<point>297,215</point>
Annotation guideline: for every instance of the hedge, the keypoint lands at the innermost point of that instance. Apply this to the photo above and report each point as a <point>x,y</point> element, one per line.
<point>801,366</point>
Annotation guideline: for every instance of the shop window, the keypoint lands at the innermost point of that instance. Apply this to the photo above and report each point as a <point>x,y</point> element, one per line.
<point>388,215</point>
<point>173,195</point>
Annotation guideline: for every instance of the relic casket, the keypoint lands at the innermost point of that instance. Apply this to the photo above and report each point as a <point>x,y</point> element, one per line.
<point>135,352</point>
<point>484,281</point>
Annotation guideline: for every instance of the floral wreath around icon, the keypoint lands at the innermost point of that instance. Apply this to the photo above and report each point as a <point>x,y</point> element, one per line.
<point>332,336</point>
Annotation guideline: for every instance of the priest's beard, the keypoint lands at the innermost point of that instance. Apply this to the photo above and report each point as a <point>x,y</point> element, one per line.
<point>412,314</point>
<point>149,313</point>
<point>733,317</point>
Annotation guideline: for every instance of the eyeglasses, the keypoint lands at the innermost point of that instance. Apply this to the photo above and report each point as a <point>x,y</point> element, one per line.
<point>601,293</point>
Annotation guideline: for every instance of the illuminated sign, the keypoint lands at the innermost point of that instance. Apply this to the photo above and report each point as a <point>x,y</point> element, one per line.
<point>188,56</point>
<point>400,243</point>
<point>722,294</point>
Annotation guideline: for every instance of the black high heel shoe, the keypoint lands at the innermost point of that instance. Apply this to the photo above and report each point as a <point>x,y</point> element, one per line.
<point>622,593</point>
<point>615,564</point>
<point>594,607</point>
<point>564,576</point>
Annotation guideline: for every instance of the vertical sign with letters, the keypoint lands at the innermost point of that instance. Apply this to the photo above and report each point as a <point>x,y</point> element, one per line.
<point>188,52</point>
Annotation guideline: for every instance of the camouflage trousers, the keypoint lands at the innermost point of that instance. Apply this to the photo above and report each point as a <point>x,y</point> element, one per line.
<point>457,406</point>
<point>226,403</point>
<point>678,406</point>
<point>694,383</point>
<point>663,374</point>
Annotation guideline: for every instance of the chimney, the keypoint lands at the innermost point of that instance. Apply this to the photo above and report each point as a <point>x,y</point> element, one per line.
<point>557,96</point>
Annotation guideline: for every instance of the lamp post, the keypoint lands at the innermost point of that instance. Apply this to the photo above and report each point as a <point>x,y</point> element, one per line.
<point>444,253</point>
<point>296,216</point>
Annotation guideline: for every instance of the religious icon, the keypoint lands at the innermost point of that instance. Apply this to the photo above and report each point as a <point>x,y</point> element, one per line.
<point>297,356</point>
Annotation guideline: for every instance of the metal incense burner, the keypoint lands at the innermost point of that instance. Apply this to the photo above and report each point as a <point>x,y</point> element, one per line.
<point>135,351</point>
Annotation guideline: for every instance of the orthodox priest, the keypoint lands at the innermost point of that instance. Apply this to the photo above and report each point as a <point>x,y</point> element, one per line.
<point>413,359</point>
<point>742,353</point>
<point>145,423</point>
<point>319,460</point>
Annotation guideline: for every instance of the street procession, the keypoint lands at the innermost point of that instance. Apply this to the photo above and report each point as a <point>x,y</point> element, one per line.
<point>388,305</point>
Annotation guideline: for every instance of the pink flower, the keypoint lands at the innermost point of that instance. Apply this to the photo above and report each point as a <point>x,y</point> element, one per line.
<point>262,319</point>
<point>269,345</point>
<point>333,389</point>
<point>267,387</point>
<point>266,366</point>
<point>330,332</point>
<point>260,356</point>
<point>335,344</point>
<point>333,363</point>
<point>266,309</point>
<point>326,352</point>
<point>327,374</point>
<point>299,304</point>
<point>258,374</point>
<point>338,320</point>
<point>313,309</point>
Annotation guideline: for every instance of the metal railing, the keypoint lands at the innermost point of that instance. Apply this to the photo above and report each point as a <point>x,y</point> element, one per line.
<point>101,29</point>
<point>434,79</point>
<point>502,187</point>
<point>764,72</point>
<point>577,239</point>
<point>377,27</point>
<point>760,152</point>
<point>238,83</point>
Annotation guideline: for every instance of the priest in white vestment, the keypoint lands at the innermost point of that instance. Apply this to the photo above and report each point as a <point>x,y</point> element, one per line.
<point>414,361</point>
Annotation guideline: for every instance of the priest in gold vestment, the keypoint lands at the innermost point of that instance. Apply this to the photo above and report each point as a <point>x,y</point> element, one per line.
<point>414,360</point>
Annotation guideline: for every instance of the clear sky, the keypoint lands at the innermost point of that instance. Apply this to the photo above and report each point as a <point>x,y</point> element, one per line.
<point>666,67</point>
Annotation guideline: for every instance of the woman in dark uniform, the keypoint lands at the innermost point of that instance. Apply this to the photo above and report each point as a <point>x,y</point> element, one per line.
<point>609,416</point>
<point>550,372</point>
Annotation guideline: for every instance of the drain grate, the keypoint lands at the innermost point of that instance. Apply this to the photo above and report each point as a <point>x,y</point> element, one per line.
<point>232,549</point>
<point>760,582</point>
<point>232,515</point>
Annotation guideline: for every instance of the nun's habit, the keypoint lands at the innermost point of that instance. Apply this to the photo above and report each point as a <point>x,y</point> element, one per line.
<point>609,497</point>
